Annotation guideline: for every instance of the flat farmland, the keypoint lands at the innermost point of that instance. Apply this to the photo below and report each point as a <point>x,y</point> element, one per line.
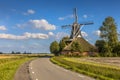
<point>114,61</point>
<point>6,56</point>
<point>100,68</point>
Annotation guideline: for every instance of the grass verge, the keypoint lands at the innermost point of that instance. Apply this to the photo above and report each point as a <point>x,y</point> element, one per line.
<point>9,66</point>
<point>99,72</point>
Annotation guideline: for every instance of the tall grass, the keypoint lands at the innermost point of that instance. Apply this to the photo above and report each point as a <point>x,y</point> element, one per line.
<point>8,67</point>
<point>99,72</point>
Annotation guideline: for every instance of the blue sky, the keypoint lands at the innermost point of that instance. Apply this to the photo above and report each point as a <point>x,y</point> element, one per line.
<point>31,25</point>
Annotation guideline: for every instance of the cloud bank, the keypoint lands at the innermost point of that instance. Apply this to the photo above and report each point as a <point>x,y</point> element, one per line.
<point>38,24</point>
<point>26,35</point>
<point>2,27</point>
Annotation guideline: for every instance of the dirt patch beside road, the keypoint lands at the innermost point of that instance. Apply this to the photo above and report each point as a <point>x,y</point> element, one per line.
<point>23,72</point>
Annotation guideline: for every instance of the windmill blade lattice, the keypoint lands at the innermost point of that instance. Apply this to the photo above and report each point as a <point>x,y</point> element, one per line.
<point>76,27</point>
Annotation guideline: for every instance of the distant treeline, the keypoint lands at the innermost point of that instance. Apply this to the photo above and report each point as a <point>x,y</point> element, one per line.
<point>17,53</point>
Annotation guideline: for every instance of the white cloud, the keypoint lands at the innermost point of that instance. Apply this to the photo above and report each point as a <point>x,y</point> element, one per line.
<point>2,27</point>
<point>85,16</point>
<point>29,11</point>
<point>61,18</point>
<point>10,36</point>
<point>51,33</point>
<point>84,34</point>
<point>66,17</point>
<point>26,35</point>
<point>36,35</point>
<point>60,35</point>
<point>97,32</point>
<point>42,24</point>
<point>38,24</point>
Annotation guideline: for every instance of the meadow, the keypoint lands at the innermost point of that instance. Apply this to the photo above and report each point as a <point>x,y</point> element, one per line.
<point>9,63</point>
<point>100,68</point>
<point>96,67</point>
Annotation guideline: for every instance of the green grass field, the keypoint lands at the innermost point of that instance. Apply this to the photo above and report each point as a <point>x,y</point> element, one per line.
<point>99,68</point>
<point>8,67</point>
<point>9,63</point>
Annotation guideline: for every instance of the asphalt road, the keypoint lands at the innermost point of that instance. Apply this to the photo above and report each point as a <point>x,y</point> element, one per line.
<point>43,69</point>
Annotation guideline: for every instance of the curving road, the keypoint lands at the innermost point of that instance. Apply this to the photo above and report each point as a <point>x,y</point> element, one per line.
<point>43,69</point>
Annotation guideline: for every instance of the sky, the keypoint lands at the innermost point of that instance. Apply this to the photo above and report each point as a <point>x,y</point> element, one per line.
<point>31,25</point>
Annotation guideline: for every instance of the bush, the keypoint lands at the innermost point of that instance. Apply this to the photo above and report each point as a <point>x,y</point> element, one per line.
<point>76,47</point>
<point>54,48</point>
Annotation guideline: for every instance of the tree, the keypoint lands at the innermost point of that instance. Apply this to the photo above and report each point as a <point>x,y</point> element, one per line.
<point>62,45</point>
<point>65,38</point>
<point>12,52</point>
<point>1,52</point>
<point>76,46</point>
<point>109,34</point>
<point>109,31</point>
<point>100,46</point>
<point>116,49</point>
<point>54,48</point>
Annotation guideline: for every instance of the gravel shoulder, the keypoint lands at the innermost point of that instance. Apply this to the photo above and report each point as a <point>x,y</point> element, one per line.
<point>23,72</point>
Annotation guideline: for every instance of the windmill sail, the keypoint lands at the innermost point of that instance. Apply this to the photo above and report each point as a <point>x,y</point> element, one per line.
<point>75,31</point>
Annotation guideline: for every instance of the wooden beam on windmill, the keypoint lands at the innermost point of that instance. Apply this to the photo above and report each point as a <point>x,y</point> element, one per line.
<point>75,15</point>
<point>75,31</point>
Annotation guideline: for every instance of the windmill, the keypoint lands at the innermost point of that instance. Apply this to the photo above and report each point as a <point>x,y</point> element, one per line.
<point>76,27</point>
<point>74,36</point>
